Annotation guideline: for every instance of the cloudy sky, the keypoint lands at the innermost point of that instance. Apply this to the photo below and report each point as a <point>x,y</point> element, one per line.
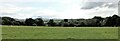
<point>58,8</point>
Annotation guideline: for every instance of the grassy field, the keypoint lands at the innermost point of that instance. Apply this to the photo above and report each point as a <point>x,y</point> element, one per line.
<point>42,32</point>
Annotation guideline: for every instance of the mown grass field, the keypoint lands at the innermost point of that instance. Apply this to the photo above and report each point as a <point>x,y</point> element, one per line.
<point>43,32</point>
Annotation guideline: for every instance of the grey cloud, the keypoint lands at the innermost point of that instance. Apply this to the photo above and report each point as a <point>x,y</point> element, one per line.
<point>113,6</point>
<point>103,0</point>
<point>91,5</point>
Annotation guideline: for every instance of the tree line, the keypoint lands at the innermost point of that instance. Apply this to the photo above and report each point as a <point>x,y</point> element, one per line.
<point>96,21</point>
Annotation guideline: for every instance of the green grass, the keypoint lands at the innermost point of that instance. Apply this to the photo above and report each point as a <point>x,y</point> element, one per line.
<point>42,32</point>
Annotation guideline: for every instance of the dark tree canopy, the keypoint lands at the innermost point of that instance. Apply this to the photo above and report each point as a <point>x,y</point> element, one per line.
<point>95,21</point>
<point>51,22</point>
<point>29,22</point>
<point>98,17</point>
<point>7,20</point>
<point>39,22</point>
<point>65,20</point>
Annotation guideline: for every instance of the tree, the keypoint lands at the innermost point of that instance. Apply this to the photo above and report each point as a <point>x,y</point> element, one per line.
<point>107,21</point>
<point>0,20</point>
<point>65,24</point>
<point>65,20</point>
<point>98,17</point>
<point>29,22</point>
<point>7,20</point>
<point>118,22</point>
<point>98,21</point>
<point>90,22</point>
<point>111,21</point>
<point>16,22</point>
<point>82,24</point>
<point>71,24</point>
<point>114,20</point>
<point>51,22</point>
<point>22,22</point>
<point>39,22</point>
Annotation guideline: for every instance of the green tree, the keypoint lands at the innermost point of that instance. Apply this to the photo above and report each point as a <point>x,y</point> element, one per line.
<point>51,22</point>
<point>39,22</point>
<point>118,22</point>
<point>29,22</point>
<point>114,20</point>
<point>99,19</point>
<point>7,21</point>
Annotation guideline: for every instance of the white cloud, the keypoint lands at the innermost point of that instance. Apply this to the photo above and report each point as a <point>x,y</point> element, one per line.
<point>104,11</point>
<point>17,1</point>
<point>66,9</point>
<point>10,8</point>
<point>47,13</point>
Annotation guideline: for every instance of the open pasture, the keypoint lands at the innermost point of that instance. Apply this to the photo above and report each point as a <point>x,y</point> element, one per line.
<point>44,32</point>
